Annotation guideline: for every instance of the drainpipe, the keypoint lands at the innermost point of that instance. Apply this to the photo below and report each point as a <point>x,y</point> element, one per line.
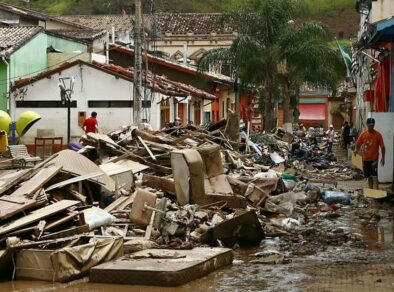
<point>8,96</point>
<point>107,48</point>
<point>8,83</point>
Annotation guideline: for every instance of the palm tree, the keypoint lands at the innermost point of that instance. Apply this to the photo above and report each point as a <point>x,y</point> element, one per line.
<point>274,54</point>
<point>308,58</point>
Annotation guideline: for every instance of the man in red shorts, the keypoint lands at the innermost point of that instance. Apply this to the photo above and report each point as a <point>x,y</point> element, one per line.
<point>90,125</point>
<point>370,141</point>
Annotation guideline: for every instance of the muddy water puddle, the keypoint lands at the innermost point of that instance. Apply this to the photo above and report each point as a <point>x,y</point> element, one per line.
<point>380,235</point>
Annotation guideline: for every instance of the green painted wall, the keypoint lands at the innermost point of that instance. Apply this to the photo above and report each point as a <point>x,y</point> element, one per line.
<point>3,85</point>
<point>30,59</point>
<point>64,45</point>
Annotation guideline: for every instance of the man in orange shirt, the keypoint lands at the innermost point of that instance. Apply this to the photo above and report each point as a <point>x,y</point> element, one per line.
<point>369,142</point>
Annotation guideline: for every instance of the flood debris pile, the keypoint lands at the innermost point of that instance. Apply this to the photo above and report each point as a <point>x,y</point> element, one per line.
<point>166,202</point>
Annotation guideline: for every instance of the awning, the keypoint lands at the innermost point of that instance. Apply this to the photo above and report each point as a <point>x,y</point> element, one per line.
<point>381,31</point>
<point>312,112</point>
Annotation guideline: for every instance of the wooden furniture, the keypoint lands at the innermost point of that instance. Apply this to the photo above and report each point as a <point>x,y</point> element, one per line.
<point>44,146</point>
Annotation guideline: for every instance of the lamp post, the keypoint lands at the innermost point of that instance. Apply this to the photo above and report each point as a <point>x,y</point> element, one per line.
<point>66,85</point>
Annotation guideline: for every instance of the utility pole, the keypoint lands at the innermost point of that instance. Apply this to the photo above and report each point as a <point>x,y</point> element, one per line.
<point>137,63</point>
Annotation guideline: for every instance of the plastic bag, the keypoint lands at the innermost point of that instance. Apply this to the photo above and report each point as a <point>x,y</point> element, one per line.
<point>97,217</point>
<point>269,174</point>
<point>289,184</point>
<point>288,176</point>
<point>270,244</point>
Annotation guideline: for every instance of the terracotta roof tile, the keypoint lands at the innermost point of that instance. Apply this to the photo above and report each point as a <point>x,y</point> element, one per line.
<point>101,22</point>
<point>156,83</point>
<point>12,38</point>
<point>174,23</point>
<point>84,35</point>
<point>32,13</point>
<point>196,23</point>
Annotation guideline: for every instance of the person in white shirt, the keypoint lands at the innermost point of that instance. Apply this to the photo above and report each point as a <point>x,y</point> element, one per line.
<point>330,136</point>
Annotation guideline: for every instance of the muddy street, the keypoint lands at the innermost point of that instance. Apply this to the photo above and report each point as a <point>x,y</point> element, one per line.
<point>331,266</point>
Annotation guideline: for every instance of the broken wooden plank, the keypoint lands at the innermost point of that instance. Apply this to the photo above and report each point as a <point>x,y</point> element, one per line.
<point>74,180</point>
<point>127,203</point>
<point>68,232</point>
<point>12,179</point>
<point>159,183</point>
<point>37,181</point>
<point>146,148</point>
<point>161,146</point>
<point>9,209</point>
<point>113,206</point>
<point>156,167</point>
<point>150,137</point>
<point>34,229</point>
<point>38,215</point>
<point>78,196</point>
<point>61,221</point>
<point>15,200</point>
<point>149,228</point>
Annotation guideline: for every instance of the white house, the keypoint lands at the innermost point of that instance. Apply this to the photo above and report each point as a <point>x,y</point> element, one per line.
<point>105,89</point>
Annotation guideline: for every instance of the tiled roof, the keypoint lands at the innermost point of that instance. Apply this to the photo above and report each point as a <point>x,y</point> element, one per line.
<point>196,23</point>
<point>101,22</point>
<point>174,23</point>
<point>22,11</point>
<point>33,14</point>
<point>82,35</point>
<point>12,38</point>
<point>220,78</point>
<point>154,82</point>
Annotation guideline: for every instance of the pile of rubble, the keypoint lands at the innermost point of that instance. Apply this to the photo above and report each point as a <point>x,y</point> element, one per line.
<point>135,195</point>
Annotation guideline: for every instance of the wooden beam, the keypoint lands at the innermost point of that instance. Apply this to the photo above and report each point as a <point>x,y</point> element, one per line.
<point>68,232</point>
<point>38,215</point>
<point>146,147</point>
<point>61,221</point>
<point>37,181</point>
<point>159,183</point>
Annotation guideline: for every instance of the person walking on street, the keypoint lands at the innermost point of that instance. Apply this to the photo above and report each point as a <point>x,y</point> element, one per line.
<point>353,132</point>
<point>302,129</point>
<point>369,142</point>
<point>346,135</point>
<point>330,137</point>
<point>90,125</point>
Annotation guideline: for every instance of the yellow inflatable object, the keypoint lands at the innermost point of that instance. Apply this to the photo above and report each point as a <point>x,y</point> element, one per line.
<point>25,121</point>
<point>5,121</point>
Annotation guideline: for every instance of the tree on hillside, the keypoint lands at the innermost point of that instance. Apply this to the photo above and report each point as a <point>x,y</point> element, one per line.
<point>276,55</point>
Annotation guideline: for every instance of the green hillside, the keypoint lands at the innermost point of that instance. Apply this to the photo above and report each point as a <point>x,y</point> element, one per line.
<point>59,7</point>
